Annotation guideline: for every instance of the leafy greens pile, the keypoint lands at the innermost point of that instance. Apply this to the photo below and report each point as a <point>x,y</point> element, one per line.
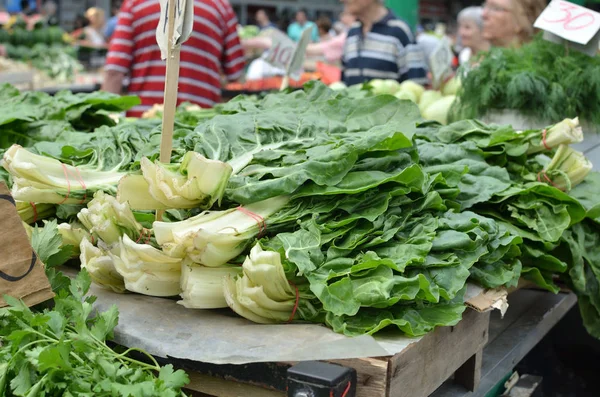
<point>341,209</point>
<point>540,79</point>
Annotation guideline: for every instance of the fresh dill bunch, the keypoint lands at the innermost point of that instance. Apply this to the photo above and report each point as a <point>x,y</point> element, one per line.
<point>541,79</point>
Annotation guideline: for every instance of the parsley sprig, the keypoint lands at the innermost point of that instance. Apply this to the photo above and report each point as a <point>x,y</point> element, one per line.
<point>63,352</point>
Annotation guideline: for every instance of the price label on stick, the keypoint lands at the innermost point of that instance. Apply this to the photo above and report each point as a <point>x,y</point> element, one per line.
<point>287,55</point>
<point>174,28</point>
<point>183,25</point>
<point>282,50</point>
<point>569,21</point>
<point>297,62</point>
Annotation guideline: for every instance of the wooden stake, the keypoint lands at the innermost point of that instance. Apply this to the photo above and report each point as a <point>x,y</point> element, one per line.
<point>171,85</point>
<point>285,83</point>
<point>170,97</point>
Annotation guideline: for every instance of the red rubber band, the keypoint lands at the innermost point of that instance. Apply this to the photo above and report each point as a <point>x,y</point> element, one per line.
<point>547,178</point>
<point>544,133</point>
<point>346,391</point>
<point>262,225</point>
<point>295,304</point>
<point>35,213</point>
<point>82,186</point>
<point>64,167</point>
<point>93,240</point>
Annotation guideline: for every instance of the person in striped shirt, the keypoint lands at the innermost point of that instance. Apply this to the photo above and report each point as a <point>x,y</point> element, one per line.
<point>213,49</point>
<point>380,46</point>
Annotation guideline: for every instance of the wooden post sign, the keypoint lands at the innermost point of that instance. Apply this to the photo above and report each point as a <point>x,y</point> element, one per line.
<point>285,54</point>
<point>575,26</point>
<point>174,28</point>
<point>22,274</point>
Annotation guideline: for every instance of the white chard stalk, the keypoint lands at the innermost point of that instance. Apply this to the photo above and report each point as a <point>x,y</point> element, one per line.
<point>40,179</point>
<point>195,183</point>
<point>567,169</point>
<point>31,212</point>
<point>214,238</point>
<point>109,220</point>
<point>99,264</point>
<point>566,132</point>
<point>73,234</point>
<point>147,270</point>
<point>262,294</point>
<point>202,287</point>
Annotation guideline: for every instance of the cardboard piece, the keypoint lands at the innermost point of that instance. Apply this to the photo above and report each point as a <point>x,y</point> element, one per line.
<point>489,300</point>
<point>22,274</point>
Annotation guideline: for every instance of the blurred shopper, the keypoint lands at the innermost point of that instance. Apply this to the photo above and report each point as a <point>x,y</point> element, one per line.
<point>333,49</point>
<point>323,27</point>
<point>509,23</point>
<point>302,23</point>
<point>213,48</point>
<point>381,46</point>
<point>49,10</point>
<point>93,34</point>
<point>345,22</point>
<point>263,20</point>
<point>470,33</point>
<point>26,9</point>
<point>109,30</point>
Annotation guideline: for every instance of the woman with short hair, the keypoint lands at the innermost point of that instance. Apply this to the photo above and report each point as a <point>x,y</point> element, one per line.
<point>470,33</point>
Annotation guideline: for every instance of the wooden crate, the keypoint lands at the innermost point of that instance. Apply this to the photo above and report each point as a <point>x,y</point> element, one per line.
<point>415,372</point>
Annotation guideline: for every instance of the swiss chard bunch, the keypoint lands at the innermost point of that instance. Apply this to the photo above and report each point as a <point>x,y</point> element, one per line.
<point>63,352</point>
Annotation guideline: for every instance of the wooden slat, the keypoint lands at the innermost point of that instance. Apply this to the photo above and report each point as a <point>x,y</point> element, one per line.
<point>469,375</point>
<point>420,369</point>
<point>371,375</point>
<point>212,386</point>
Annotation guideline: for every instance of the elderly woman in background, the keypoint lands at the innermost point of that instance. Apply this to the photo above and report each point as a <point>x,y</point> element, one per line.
<point>470,32</point>
<point>509,23</point>
<point>94,32</point>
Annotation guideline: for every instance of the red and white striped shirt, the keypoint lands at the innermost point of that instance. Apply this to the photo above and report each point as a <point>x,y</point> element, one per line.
<point>214,47</point>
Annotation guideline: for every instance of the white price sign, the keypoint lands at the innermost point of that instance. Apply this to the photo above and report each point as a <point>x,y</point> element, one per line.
<point>287,55</point>
<point>281,51</point>
<point>440,62</point>
<point>569,21</point>
<point>297,63</point>
<point>184,24</point>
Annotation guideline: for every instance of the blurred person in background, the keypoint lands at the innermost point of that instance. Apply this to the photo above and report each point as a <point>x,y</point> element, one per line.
<point>333,49</point>
<point>323,27</point>
<point>302,23</point>
<point>428,42</point>
<point>509,23</point>
<point>26,9</point>
<point>381,46</point>
<point>213,48</point>
<point>263,20</point>
<point>345,22</point>
<point>49,10</point>
<point>470,33</point>
<point>93,33</point>
<point>79,24</point>
<point>112,22</point>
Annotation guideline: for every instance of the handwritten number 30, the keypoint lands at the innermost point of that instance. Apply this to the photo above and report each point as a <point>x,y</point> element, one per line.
<point>569,20</point>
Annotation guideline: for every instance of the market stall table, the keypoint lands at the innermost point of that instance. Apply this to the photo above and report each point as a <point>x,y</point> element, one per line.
<point>226,355</point>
